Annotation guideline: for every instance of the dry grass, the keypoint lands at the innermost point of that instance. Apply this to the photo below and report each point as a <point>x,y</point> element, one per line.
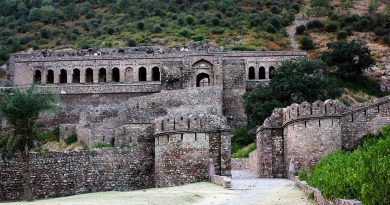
<point>350,97</point>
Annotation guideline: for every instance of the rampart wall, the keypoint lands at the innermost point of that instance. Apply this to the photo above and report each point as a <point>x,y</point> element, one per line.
<point>59,174</point>
<point>300,135</point>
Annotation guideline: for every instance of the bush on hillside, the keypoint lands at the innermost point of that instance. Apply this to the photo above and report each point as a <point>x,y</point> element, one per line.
<point>315,24</point>
<point>307,43</point>
<point>300,29</point>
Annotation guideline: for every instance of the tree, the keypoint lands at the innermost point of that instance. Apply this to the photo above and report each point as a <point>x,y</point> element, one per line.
<point>21,109</point>
<point>307,43</point>
<point>349,58</point>
<point>295,81</point>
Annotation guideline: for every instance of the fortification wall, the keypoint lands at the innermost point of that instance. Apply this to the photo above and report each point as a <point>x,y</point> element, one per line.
<point>307,132</point>
<point>59,174</point>
<point>186,144</point>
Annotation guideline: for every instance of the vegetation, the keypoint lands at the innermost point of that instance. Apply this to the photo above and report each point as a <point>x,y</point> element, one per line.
<point>70,139</point>
<point>100,23</point>
<point>244,152</point>
<point>84,145</point>
<point>295,81</point>
<point>99,145</point>
<point>21,109</point>
<point>50,136</point>
<point>349,58</point>
<point>360,174</point>
<point>307,43</point>
<point>241,137</point>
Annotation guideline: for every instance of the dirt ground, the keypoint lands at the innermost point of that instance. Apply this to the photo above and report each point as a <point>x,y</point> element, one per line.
<point>245,190</point>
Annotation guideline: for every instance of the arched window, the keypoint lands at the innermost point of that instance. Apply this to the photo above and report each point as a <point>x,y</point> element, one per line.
<point>261,72</point>
<point>202,80</point>
<point>251,74</point>
<point>102,75</point>
<point>115,75</point>
<point>89,75</point>
<point>37,77</point>
<point>63,76</point>
<point>76,76</point>
<point>271,70</point>
<point>50,77</point>
<point>142,74</point>
<point>129,74</point>
<point>155,74</point>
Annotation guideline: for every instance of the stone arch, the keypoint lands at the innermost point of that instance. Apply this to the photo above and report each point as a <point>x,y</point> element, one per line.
<point>63,76</point>
<point>50,77</point>
<point>102,75</point>
<point>76,76</point>
<point>129,74</point>
<point>115,75</point>
<point>142,74</point>
<point>205,67</point>
<point>251,73</point>
<point>261,72</point>
<point>37,77</point>
<point>155,74</point>
<point>89,75</point>
<point>271,70</point>
<point>202,80</point>
<point>202,63</point>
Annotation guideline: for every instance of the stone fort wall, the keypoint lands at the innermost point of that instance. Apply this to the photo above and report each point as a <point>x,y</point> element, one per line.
<point>59,174</point>
<point>300,135</point>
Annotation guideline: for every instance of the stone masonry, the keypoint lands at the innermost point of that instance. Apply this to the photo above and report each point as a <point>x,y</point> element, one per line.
<point>299,135</point>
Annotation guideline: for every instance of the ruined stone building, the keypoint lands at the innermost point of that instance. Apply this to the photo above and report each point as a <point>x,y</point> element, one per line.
<point>171,110</point>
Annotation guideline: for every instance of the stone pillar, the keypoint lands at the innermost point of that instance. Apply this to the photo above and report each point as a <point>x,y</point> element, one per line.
<point>256,73</point>
<point>43,77</point>
<point>226,153</point>
<point>109,75</point>
<point>95,75</point>
<point>264,147</point>
<point>148,74</point>
<point>267,73</point>
<point>69,76</point>
<point>56,76</point>
<point>122,75</point>
<point>82,75</point>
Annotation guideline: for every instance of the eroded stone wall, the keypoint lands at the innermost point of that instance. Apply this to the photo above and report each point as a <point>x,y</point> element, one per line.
<point>60,174</point>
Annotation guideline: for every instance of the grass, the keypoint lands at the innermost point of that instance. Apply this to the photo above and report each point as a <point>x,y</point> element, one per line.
<point>244,152</point>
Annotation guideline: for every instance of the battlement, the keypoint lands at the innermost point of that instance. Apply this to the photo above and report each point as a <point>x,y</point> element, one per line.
<point>317,109</point>
<point>189,123</point>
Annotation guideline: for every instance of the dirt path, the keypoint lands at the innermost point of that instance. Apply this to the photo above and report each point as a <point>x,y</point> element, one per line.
<point>245,190</point>
<point>291,32</point>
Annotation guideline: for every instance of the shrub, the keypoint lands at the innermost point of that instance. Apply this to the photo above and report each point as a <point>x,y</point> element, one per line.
<point>84,145</point>
<point>197,37</point>
<point>360,174</point>
<point>270,28</point>
<point>131,42</point>
<point>342,35</point>
<point>243,153</point>
<point>315,24</point>
<point>304,173</point>
<point>100,145</point>
<point>300,29</point>
<point>185,32</point>
<point>141,25</point>
<point>157,29</point>
<point>45,33</point>
<point>307,43</point>
<point>70,139</point>
<point>50,136</point>
<point>331,27</point>
<point>217,31</point>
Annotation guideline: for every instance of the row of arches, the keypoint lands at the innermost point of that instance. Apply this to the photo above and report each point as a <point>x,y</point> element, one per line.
<point>101,77</point>
<point>261,74</point>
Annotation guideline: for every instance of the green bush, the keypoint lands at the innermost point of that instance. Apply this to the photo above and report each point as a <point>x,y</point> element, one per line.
<point>304,173</point>
<point>70,139</point>
<point>243,153</point>
<point>331,27</point>
<point>360,174</point>
<point>300,29</point>
<point>307,43</point>
<point>315,24</point>
<point>100,145</point>
<point>197,37</point>
<point>342,35</point>
<point>50,136</point>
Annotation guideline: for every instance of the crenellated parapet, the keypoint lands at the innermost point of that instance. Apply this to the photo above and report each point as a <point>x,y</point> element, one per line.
<point>190,123</point>
<point>317,109</point>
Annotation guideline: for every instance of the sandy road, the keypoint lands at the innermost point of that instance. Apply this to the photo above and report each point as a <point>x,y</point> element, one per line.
<point>245,190</point>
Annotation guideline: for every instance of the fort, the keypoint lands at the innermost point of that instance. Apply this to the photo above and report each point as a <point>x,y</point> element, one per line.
<point>168,113</point>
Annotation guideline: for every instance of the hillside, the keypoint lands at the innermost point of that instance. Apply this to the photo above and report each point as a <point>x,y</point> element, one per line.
<point>236,25</point>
